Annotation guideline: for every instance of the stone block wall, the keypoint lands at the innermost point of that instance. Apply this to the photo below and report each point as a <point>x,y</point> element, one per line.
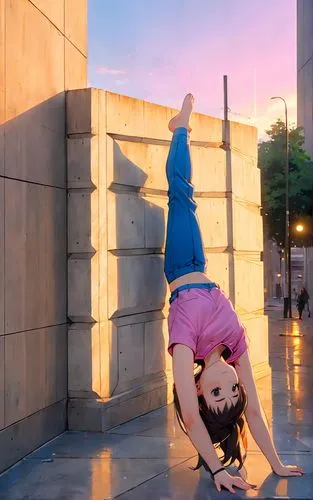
<point>42,54</point>
<point>117,209</point>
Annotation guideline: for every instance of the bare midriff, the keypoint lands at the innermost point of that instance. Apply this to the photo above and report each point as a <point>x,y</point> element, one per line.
<point>189,278</point>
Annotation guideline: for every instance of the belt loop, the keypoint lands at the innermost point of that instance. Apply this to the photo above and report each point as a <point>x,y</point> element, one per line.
<point>188,287</point>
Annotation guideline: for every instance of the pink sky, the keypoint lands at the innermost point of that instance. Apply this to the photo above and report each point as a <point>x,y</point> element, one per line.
<point>160,51</point>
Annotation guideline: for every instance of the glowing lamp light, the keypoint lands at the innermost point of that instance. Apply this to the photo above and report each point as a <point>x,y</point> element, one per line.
<point>299,228</point>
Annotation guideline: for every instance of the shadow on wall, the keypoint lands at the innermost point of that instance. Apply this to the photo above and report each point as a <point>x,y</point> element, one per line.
<point>138,322</point>
<point>33,151</point>
<point>33,317</point>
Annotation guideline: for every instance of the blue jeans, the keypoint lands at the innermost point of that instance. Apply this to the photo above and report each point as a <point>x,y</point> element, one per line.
<point>184,252</point>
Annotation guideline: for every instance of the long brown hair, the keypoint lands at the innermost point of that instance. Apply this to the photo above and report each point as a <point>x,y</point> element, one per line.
<point>226,428</point>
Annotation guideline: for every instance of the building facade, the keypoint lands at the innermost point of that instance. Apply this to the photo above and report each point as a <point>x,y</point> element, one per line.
<point>305,71</point>
<point>43,53</point>
<point>273,270</point>
<point>304,258</point>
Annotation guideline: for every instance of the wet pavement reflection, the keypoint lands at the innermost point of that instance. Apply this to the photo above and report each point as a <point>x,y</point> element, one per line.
<point>150,457</point>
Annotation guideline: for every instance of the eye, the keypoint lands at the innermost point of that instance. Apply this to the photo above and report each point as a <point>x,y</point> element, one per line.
<point>235,387</point>
<point>216,391</point>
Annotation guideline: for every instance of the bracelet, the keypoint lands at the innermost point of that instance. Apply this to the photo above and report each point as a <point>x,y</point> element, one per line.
<point>217,471</point>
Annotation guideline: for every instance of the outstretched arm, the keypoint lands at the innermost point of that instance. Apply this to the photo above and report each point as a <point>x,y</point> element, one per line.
<point>196,430</point>
<point>257,422</point>
<point>188,400</point>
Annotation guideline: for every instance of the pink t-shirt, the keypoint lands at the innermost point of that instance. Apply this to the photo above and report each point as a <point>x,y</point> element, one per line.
<point>203,319</point>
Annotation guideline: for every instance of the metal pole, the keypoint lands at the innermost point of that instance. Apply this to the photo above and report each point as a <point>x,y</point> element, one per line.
<point>287,215</point>
<point>229,201</point>
<point>225,100</point>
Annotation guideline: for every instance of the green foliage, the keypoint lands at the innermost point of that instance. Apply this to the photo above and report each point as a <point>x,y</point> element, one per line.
<point>272,161</point>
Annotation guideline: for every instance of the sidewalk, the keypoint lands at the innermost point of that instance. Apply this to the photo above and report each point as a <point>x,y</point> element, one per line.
<point>150,457</point>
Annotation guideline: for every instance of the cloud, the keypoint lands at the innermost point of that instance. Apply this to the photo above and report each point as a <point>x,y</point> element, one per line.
<point>120,82</point>
<point>276,110</point>
<point>266,115</point>
<point>103,70</point>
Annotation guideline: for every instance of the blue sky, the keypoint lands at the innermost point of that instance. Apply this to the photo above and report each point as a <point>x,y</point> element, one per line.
<point>158,51</point>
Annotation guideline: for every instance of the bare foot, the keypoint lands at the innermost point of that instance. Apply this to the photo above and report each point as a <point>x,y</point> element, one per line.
<point>182,118</point>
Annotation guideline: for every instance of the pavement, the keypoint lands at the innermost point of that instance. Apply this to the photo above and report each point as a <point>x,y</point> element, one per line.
<point>150,457</point>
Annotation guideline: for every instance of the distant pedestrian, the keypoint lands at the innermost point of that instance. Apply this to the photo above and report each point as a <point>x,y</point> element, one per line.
<point>307,301</point>
<point>302,301</point>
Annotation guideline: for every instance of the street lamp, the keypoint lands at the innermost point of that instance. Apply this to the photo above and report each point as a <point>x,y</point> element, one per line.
<point>299,228</point>
<point>287,222</point>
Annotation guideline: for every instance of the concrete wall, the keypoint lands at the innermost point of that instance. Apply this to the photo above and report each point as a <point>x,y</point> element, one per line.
<point>117,208</point>
<point>42,54</point>
<point>305,70</point>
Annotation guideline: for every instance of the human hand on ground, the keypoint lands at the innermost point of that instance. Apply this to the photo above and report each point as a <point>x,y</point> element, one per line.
<point>225,480</point>
<point>288,470</point>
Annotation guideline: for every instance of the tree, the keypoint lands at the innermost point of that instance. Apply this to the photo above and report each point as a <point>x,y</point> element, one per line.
<point>272,162</point>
